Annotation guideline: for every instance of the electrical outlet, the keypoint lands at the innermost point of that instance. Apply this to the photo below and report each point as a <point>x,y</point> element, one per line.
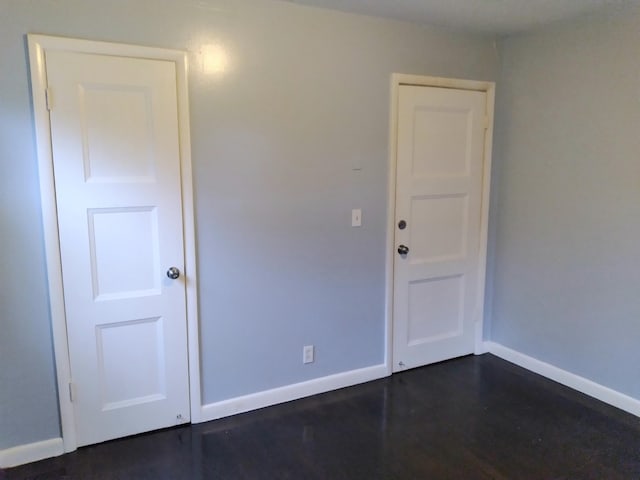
<point>307,354</point>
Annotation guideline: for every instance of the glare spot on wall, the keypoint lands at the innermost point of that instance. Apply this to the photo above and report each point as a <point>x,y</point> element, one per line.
<point>215,59</point>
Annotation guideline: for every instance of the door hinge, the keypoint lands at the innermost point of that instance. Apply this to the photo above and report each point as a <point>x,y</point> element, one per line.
<point>47,96</point>
<point>72,391</point>
<point>486,123</point>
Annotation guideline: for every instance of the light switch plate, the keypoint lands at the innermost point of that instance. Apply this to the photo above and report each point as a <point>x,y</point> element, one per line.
<point>356,217</point>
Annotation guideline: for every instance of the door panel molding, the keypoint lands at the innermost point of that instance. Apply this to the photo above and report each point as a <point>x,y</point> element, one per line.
<point>38,46</point>
<point>397,80</point>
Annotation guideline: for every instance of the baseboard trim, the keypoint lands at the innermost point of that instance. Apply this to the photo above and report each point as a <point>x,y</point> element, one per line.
<point>571,380</point>
<point>287,393</point>
<point>31,452</point>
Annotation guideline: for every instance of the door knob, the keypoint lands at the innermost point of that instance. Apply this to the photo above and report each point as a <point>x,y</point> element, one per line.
<point>173,273</point>
<point>403,249</point>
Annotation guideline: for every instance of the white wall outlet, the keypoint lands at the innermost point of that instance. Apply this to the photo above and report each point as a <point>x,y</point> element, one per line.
<point>307,354</point>
<point>356,217</point>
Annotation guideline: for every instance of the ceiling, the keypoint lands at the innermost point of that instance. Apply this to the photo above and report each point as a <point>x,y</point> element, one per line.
<point>500,17</point>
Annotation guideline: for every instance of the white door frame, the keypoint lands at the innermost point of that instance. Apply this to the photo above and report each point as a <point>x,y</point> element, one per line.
<point>398,79</point>
<point>38,46</point>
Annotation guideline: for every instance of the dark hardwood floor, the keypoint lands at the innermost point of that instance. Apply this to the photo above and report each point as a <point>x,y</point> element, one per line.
<point>470,418</point>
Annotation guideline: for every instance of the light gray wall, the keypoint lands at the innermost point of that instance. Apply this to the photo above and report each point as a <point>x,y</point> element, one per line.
<point>567,256</point>
<point>277,144</point>
<point>28,399</point>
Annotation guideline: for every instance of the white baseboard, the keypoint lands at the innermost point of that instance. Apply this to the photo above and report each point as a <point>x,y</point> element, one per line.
<point>571,380</point>
<point>31,452</point>
<point>287,393</point>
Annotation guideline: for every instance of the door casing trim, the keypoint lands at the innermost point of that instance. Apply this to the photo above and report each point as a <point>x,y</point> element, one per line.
<point>398,79</point>
<point>38,46</point>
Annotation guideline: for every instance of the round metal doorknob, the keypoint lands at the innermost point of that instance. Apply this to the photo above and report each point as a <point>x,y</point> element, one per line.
<point>173,273</point>
<point>403,249</point>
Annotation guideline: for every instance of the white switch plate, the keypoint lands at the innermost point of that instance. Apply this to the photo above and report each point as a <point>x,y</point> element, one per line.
<point>307,354</point>
<point>356,217</point>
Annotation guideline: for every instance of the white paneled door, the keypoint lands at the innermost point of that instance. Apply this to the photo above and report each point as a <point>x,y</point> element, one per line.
<point>116,159</point>
<point>439,172</point>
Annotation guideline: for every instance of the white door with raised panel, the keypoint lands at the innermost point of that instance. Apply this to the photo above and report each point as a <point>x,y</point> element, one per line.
<point>439,171</point>
<point>116,161</point>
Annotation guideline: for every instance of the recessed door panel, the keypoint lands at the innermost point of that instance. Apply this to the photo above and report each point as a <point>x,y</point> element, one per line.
<point>440,146</point>
<point>446,236</point>
<point>117,125</point>
<point>139,376</point>
<point>435,309</point>
<point>124,252</point>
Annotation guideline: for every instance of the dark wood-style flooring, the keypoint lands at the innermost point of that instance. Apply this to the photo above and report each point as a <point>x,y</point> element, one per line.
<point>470,418</point>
